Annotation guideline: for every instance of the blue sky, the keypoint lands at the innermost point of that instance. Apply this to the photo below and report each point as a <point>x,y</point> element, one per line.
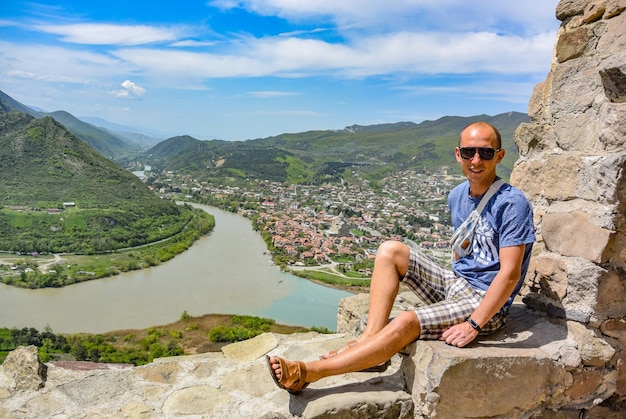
<point>244,69</point>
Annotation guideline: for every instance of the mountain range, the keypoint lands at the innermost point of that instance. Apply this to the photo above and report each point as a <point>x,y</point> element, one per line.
<point>307,157</point>
<point>374,151</point>
<point>50,160</point>
<point>113,142</point>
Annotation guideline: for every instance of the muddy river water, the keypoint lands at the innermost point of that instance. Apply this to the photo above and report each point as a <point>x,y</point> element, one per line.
<point>225,272</point>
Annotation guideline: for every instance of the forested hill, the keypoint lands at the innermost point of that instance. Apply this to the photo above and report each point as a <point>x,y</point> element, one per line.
<point>57,194</point>
<point>375,151</point>
<point>105,142</point>
<point>44,164</point>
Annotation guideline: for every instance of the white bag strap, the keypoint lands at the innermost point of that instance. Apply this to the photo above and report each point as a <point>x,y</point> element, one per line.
<point>495,186</point>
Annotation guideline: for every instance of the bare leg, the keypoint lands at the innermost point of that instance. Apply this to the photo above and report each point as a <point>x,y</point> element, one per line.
<point>390,267</point>
<point>381,339</point>
<point>372,351</point>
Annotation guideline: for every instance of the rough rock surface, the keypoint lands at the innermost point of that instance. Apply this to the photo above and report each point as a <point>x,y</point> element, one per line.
<point>573,156</point>
<point>427,379</point>
<point>564,360</point>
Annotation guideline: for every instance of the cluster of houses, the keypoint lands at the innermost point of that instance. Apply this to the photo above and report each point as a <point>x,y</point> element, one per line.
<point>316,223</point>
<point>319,238</point>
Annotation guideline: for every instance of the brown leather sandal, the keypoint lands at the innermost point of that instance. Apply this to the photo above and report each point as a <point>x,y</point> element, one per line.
<point>294,380</point>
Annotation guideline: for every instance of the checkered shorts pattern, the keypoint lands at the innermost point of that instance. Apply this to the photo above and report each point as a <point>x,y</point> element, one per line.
<point>449,299</point>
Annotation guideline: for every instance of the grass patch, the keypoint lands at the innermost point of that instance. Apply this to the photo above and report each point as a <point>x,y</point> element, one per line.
<point>332,279</point>
<point>189,335</point>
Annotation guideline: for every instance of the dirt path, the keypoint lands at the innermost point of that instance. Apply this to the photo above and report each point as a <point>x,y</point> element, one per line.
<point>43,264</point>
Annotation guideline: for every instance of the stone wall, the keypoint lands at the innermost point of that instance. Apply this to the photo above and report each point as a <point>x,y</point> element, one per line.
<point>567,362</point>
<point>572,163</point>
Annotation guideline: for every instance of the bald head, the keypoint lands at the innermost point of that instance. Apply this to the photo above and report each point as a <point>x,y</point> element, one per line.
<point>481,125</point>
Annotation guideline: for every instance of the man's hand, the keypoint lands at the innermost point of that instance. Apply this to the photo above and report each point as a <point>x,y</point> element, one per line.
<point>459,335</point>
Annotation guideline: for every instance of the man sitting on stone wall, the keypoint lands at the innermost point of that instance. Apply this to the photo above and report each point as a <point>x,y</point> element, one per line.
<point>471,299</point>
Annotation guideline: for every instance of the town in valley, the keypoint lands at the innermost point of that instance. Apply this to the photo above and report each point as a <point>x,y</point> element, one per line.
<point>340,222</point>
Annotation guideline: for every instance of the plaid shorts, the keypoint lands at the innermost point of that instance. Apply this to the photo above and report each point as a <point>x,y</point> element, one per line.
<point>449,299</point>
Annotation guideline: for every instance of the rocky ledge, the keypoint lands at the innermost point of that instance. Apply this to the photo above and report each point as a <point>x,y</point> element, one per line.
<point>534,368</point>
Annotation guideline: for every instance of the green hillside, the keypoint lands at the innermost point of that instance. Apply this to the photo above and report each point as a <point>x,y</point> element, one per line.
<point>99,139</point>
<point>375,151</point>
<point>106,143</point>
<point>57,194</point>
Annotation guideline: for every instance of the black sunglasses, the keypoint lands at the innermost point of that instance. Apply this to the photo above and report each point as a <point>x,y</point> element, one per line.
<point>485,153</point>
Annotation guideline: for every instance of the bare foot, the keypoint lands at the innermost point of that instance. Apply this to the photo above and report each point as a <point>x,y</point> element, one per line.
<point>275,366</point>
<point>288,375</point>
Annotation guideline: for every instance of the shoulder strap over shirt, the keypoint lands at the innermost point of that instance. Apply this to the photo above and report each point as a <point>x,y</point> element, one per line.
<point>495,186</point>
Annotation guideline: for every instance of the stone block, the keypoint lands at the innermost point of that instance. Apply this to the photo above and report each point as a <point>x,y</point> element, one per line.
<point>615,328</point>
<point>532,139</point>
<point>614,82</point>
<point>23,370</point>
<point>602,178</point>
<point>196,400</point>
<point>549,276</point>
<point>574,88</point>
<point>482,381</point>
<point>572,44</point>
<point>594,10</point>
<point>582,278</point>
<point>568,8</point>
<point>574,235</point>
<point>589,383</point>
<point>598,213</point>
<point>614,8</point>
<point>612,132</point>
<point>251,349</point>
<point>594,351</point>
<point>162,372</point>
<point>611,299</point>
<point>613,40</point>
<point>350,314</point>
<point>538,100</point>
<point>553,178</point>
<point>381,404</point>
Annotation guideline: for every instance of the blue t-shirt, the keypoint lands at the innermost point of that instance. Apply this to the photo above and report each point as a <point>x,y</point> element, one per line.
<point>507,220</point>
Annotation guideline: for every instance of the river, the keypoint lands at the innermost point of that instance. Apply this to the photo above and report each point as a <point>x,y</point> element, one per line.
<point>225,272</point>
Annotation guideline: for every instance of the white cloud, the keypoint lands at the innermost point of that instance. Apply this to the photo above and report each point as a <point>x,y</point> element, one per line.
<point>130,91</point>
<point>57,64</point>
<point>397,53</point>
<point>535,15</point>
<point>510,91</point>
<point>271,94</point>
<point>107,34</point>
<point>286,113</point>
<point>402,53</point>
<point>414,50</point>
<point>193,43</point>
<point>6,23</point>
<point>499,48</point>
<point>169,63</point>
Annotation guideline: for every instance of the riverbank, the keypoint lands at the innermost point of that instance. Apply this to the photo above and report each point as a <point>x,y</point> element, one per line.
<point>227,271</point>
<point>187,336</point>
<point>36,271</point>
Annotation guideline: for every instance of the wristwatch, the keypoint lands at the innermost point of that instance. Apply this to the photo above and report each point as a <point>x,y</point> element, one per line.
<point>474,324</point>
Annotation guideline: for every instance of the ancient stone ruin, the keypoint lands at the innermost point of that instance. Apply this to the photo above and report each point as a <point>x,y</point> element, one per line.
<point>560,356</point>
<point>573,156</point>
